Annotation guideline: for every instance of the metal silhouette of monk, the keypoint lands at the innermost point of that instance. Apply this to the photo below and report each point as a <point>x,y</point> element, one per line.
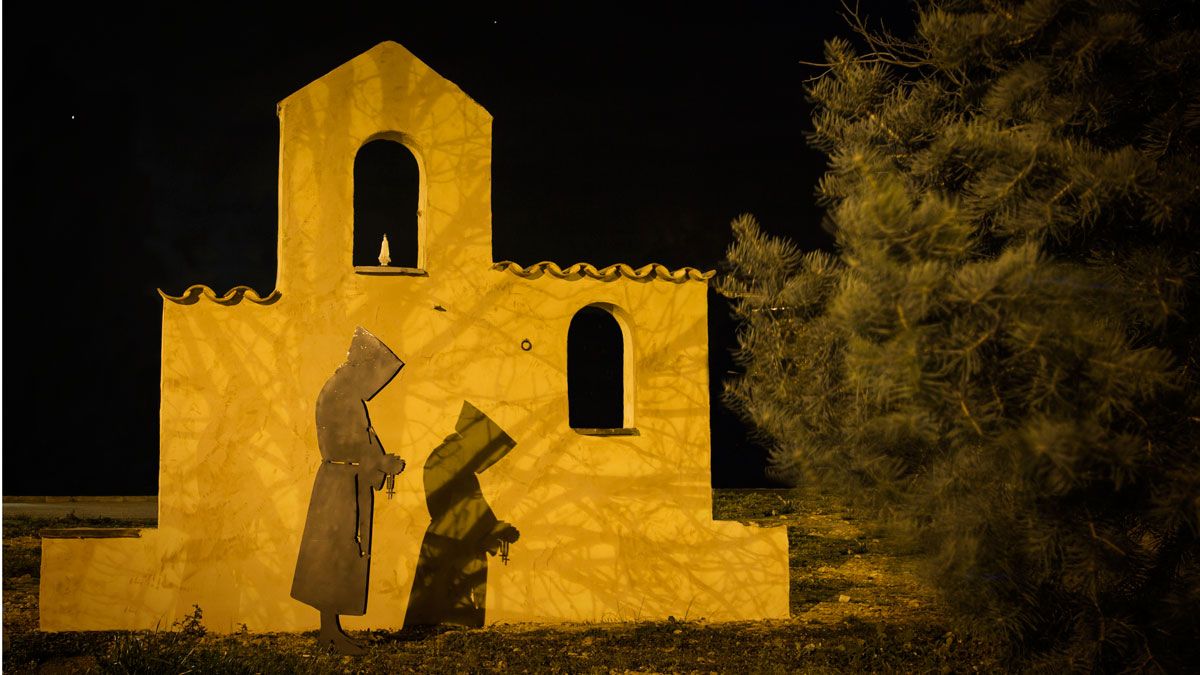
<point>450,585</point>
<point>334,565</point>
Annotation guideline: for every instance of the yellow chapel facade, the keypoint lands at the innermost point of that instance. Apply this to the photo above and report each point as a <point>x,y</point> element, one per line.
<point>613,526</point>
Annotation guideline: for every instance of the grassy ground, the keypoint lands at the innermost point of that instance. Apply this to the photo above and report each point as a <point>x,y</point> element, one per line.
<point>856,607</point>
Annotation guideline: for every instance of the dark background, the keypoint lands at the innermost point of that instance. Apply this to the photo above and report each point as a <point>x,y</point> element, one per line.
<point>140,152</point>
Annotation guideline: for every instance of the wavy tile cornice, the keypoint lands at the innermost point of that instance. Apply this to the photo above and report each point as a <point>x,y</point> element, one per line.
<point>610,273</point>
<point>193,294</point>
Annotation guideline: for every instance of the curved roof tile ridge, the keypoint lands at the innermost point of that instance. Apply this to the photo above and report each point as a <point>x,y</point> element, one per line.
<point>619,270</point>
<point>193,294</point>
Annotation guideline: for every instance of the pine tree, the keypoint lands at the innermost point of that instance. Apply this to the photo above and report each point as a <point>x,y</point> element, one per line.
<point>1000,358</point>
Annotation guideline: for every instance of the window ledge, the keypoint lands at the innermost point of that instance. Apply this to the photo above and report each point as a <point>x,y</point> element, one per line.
<point>380,270</point>
<point>607,432</point>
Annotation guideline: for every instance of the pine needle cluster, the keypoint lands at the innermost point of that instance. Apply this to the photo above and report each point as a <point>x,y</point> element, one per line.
<point>1000,358</point>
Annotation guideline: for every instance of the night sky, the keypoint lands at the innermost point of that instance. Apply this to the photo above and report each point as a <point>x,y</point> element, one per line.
<point>141,147</point>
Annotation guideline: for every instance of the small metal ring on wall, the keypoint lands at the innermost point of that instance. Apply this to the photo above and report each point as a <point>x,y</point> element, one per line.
<point>526,345</point>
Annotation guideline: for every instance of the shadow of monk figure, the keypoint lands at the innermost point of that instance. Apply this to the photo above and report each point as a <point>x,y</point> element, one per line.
<point>333,568</point>
<point>450,586</point>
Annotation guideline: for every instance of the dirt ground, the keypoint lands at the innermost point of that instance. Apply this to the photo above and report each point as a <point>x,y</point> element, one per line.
<point>856,607</point>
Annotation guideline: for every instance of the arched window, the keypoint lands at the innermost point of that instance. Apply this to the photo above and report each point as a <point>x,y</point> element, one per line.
<point>599,382</point>
<point>387,186</point>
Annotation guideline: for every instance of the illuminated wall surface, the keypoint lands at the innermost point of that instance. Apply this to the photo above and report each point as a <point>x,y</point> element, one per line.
<point>612,527</point>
